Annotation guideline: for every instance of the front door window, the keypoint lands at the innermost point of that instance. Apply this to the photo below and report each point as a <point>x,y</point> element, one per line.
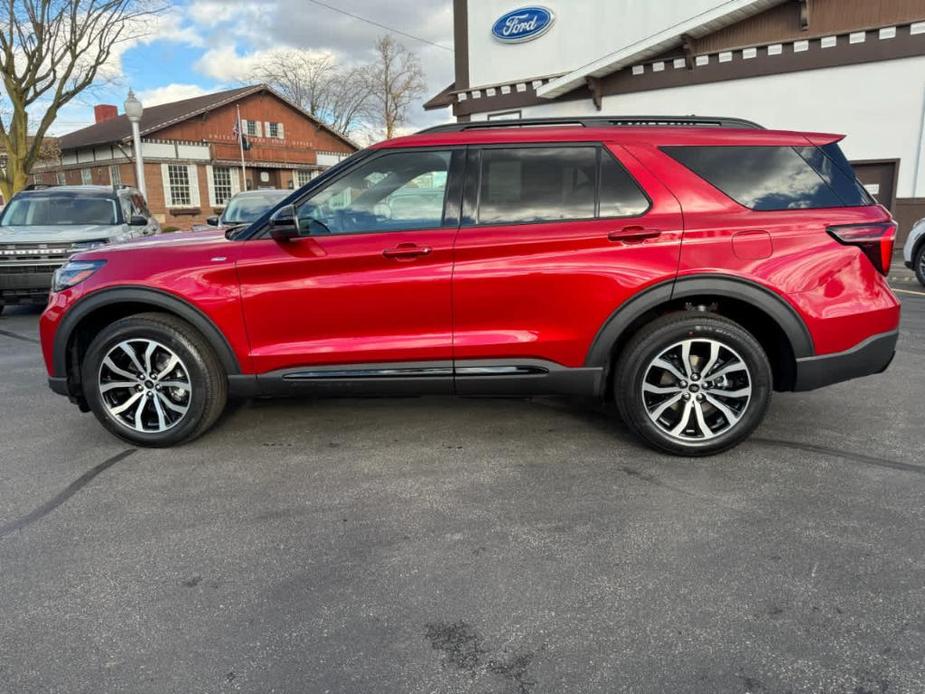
<point>394,192</point>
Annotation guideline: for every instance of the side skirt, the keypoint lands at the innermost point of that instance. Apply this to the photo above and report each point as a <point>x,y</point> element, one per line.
<point>512,377</point>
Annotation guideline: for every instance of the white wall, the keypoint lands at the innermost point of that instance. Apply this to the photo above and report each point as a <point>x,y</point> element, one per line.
<point>879,106</point>
<point>584,30</point>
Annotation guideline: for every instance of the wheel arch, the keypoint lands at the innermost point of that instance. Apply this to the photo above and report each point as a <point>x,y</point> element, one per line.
<point>774,322</point>
<point>104,306</point>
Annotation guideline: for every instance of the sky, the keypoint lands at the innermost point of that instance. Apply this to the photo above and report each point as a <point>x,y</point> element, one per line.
<point>200,46</point>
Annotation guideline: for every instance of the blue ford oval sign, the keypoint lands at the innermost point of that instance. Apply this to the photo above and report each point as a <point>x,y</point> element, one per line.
<point>524,24</point>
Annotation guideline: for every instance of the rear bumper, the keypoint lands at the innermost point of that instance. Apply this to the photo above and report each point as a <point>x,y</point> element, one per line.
<point>872,356</point>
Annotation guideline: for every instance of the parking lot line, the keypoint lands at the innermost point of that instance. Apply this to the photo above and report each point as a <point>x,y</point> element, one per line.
<point>908,291</point>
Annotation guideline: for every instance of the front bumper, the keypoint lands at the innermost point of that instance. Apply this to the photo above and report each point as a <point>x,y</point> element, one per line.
<point>872,356</point>
<point>26,283</point>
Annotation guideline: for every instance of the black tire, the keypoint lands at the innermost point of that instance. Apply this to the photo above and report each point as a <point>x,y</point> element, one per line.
<point>666,333</point>
<point>918,265</point>
<point>207,379</point>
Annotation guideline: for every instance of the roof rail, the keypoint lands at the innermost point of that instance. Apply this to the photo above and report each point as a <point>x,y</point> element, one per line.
<point>598,122</point>
<point>40,186</point>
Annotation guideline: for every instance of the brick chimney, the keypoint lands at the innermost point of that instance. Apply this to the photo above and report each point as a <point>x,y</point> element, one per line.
<point>104,112</point>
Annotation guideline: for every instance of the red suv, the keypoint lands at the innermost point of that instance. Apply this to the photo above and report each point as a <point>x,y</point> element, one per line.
<point>685,267</point>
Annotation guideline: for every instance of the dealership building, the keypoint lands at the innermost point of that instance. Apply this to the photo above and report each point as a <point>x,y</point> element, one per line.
<point>855,67</point>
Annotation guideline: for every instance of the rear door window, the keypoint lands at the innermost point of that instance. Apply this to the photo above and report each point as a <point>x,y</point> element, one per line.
<point>620,195</point>
<point>537,184</point>
<point>519,185</point>
<point>774,178</point>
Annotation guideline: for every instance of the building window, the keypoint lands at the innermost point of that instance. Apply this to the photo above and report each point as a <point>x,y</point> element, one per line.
<point>178,182</point>
<point>115,175</point>
<point>275,130</point>
<point>221,185</point>
<point>86,176</point>
<point>302,177</point>
<point>59,177</point>
<point>505,115</point>
<point>252,128</point>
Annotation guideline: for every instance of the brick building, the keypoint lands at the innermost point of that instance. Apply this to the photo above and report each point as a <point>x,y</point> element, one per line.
<point>191,155</point>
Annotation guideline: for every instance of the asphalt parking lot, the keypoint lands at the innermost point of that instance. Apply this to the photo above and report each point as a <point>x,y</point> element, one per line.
<point>440,545</point>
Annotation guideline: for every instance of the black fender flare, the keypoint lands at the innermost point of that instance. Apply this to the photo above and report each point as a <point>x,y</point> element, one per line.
<point>749,292</point>
<point>157,299</point>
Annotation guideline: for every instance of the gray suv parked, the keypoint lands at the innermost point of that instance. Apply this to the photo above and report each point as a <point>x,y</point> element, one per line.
<point>42,227</point>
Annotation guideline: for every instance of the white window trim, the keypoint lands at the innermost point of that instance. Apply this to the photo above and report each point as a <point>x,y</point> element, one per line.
<point>210,180</point>
<point>192,172</point>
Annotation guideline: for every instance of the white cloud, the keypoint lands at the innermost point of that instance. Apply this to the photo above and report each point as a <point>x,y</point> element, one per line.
<point>227,65</point>
<point>170,92</point>
<point>169,26</point>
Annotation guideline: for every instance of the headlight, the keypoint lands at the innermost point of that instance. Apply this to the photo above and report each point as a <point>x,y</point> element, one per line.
<point>73,273</point>
<point>89,245</point>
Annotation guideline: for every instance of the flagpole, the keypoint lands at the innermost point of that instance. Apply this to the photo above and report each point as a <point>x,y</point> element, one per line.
<point>241,147</point>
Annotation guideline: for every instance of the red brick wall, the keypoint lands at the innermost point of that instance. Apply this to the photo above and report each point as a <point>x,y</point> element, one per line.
<point>303,137</point>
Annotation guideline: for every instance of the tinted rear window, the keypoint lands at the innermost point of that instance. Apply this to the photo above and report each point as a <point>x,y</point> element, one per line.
<point>544,184</point>
<point>776,178</point>
<point>620,195</point>
<point>533,184</point>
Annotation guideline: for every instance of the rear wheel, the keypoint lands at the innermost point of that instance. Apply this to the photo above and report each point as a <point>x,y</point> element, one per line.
<point>919,265</point>
<point>153,380</point>
<point>693,384</point>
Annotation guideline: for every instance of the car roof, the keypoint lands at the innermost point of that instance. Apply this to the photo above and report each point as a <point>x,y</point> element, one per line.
<point>82,190</point>
<point>629,135</point>
<point>262,191</point>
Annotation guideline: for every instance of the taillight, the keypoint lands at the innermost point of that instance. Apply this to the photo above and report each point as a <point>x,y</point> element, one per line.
<point>876,240</point>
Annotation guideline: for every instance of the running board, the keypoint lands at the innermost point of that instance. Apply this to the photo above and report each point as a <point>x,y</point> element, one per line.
<point>514,377</point>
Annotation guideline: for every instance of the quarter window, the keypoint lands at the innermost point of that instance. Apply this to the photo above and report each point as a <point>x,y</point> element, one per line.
<point>393,192</point>
<point>178,180</point>
<point>774,178</point>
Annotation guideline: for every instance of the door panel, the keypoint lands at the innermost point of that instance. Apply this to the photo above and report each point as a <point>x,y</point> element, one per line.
<point>543,290</point>
<point>338,299</point>
<point>368,282</point>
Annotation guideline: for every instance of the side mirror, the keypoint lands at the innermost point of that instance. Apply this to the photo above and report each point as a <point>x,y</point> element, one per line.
<point>138,221</point>
<point>284,224</point>
<point>212,221</point>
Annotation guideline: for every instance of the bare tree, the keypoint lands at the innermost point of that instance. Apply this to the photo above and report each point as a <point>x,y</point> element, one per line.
<point>51,51</point>
<point>395,80</point>
<point>336,96</point>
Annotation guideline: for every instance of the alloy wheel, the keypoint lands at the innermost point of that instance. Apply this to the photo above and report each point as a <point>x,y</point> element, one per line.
<point>144,386</point>
<point>696,389</point>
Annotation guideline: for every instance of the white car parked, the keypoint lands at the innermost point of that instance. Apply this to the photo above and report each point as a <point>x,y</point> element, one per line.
<point>914,250</point>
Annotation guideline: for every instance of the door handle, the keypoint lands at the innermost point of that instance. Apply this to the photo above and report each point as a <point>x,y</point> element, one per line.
<point>406,251</point>
<point>633,234</point>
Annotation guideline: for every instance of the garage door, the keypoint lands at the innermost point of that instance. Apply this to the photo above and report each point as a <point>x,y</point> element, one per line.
<point>879,177</point>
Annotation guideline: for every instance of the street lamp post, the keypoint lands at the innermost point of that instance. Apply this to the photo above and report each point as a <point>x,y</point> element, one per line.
<point>133,111</point>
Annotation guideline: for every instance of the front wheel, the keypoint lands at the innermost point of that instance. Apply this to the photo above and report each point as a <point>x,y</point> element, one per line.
<point>153,380</point>
<point>692,384</point>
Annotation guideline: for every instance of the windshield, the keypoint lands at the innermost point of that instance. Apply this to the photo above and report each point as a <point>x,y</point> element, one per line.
<point>59,210</point>
<point>247,208</point>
